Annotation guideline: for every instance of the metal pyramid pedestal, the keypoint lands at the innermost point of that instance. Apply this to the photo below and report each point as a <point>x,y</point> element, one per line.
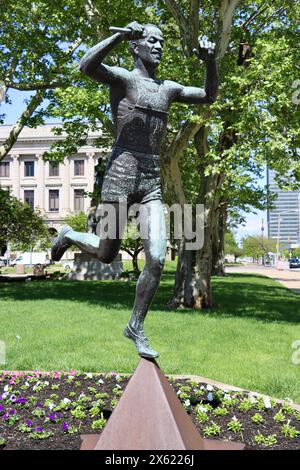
<point>149,416</point>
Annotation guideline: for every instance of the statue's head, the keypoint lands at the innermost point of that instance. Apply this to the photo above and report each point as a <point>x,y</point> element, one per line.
<point>149,47</point>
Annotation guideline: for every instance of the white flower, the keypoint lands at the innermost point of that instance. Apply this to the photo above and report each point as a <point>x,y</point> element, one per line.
<point>6,388</point>
<point>18,336</point>
<point>51,406</point>
<point>117,377</point>
<point>202,408</point>
<point>267,402</point>
<point>234,418</point>
<point>82,395</point>
<point>89,375</point>
<point>210,396</point>
<point>66,400</point>
<point>179,392</point>
<point>46,383</point>
<point>187,402</point>
<point>118,386</point>
<point>209,387</point>
<point>5,395</point>
<point>225,390</point>
<point>202,387</point>
<point>227,396</point>
<point>27,384</point>
<point>100,381</point>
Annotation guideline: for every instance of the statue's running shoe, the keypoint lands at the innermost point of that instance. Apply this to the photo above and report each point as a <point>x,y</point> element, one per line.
<point>141,343</point>
<point>61,244</point>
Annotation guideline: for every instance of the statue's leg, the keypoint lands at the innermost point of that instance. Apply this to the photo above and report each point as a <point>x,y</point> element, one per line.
<point>102,247</point>
<point>155,252</point>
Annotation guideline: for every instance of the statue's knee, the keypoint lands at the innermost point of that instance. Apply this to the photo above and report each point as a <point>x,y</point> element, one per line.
<point>157,265</point>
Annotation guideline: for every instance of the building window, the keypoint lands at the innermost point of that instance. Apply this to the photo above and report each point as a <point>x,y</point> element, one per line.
<point>4,169</point>
<point>78,167</point>
<point>53,169</point>
<point>29,197</point>
<point>29,168</point>
<point>53,200</point>
<point>78,200</point>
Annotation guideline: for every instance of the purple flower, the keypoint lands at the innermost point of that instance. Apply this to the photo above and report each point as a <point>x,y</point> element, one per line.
<point>1,397</point>
<point>12,412</point>
<point>65,427</point>
<point>29,423</point>
<point>13,398</point>
<point>21,401</point>
<point>6,416</point>
<point>51,417</point>
<point>1,408</point>
<point>39,405</point>
<point>39,429</point>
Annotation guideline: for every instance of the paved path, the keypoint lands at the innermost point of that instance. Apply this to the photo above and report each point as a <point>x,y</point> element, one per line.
<point>290,278</point>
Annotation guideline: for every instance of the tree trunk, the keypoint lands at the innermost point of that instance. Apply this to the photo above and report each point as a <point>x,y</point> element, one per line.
<point>178,292</point>
<point>183,294</point>
<point>135,263</point>
<point>218,241</point>
<point>193,274</point>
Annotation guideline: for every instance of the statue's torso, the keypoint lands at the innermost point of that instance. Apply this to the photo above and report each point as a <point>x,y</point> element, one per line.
<point>140,114</point>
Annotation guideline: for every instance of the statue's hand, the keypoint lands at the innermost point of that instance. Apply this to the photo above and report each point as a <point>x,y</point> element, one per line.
<point>137,30</point>
<point>206,49</point>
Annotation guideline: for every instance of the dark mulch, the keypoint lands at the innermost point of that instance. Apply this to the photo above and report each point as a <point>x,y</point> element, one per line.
<point>69,405</point>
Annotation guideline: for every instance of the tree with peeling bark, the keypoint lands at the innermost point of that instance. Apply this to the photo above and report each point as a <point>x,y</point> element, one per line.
<point>226,142</point>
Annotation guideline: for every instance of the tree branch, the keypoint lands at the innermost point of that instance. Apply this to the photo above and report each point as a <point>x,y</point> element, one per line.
<point>93,15</point>
<point>224,29</point>
<point>35,86</point>
<point>35,101</point>
<point>257,12</point>
<point>175,10</point>
<point>194,23</point>
<point>72,48</point>
<point>182,22</point>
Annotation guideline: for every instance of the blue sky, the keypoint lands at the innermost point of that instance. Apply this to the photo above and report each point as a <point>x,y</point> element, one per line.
<point>13,111</point>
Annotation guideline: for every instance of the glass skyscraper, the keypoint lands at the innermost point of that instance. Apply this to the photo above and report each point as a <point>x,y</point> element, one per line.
<point>283,219</point>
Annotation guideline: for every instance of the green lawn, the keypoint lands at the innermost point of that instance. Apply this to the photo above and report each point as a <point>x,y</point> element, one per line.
<point>244,341</point>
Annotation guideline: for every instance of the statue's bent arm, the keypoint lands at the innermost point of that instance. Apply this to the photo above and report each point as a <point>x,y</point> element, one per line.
<point>195,95</point>
<point>91,64</point>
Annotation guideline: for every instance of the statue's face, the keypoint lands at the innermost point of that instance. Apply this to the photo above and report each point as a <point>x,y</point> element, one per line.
<point>150,48</point>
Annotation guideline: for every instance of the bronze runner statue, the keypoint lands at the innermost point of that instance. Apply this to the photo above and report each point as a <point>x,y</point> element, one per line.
<point>139,105</point>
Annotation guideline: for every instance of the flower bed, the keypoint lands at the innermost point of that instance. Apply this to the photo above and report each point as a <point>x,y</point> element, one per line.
<point>51,410</point>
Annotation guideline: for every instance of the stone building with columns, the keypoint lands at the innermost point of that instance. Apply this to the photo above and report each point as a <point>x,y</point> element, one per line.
<point>56,191</point>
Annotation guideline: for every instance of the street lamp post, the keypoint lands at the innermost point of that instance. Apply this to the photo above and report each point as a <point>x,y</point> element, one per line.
<point>278,238</point>
<point>262,240</point>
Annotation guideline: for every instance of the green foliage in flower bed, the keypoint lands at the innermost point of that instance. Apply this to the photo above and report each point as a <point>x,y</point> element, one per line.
<point>31,414</point>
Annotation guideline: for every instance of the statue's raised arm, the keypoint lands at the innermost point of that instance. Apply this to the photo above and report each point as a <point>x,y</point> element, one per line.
<point>195,95</point>
<point>92,62</point>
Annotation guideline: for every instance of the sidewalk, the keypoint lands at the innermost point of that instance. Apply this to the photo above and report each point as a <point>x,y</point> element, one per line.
<point>287,277</point>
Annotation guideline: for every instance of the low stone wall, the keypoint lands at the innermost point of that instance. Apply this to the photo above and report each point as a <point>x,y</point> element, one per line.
<point>88,268</point>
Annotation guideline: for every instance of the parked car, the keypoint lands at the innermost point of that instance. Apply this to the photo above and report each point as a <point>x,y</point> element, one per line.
<point>294,263</point>
<point>33,258</point>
